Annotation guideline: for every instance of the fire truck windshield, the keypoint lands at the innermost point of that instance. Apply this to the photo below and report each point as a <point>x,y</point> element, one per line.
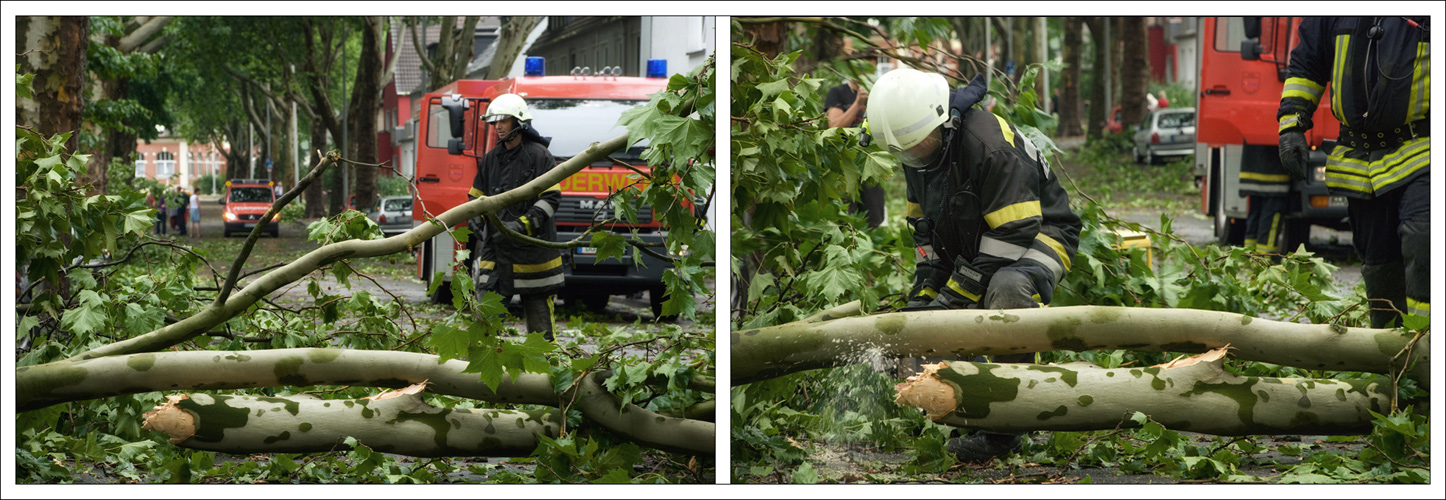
<point>574,124</point>
<point>250,194</point>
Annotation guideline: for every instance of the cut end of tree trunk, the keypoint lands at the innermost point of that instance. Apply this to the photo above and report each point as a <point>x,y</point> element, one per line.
<point>167,419</point>
<point>926,391</point>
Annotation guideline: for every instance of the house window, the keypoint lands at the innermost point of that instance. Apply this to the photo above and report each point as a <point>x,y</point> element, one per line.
<point>141,166</point>
<point>165,165</point>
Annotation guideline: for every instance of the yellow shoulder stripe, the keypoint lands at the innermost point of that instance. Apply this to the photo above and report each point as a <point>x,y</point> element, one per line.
<point>1017,211</point>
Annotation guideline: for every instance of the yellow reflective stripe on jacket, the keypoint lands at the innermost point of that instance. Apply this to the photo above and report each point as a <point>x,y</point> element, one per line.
<point>1418,307</point>
<point>475,193</point>
<point>486,264</point>
<point>1420,84</point>
<point>1005,130</point>
<point>929,292</point>
<point>914,210</point>
<point>555,187</point>
<point>1017,211</point>
<point>1256,176</point>
<point>1363,176</point>
<point>955,286</point>
<point>1057,247</point>
<point>1288,121</point>
<point>1343,42</point>
<point>1304,89</point>
<point>537,268</point>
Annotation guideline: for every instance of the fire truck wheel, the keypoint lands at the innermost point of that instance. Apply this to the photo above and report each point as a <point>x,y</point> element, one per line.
<point>443,295</point>
<point>593,302</point>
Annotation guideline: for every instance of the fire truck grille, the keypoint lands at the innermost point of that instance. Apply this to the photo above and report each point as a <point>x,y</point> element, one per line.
<point>249,216</point>
<point>587,210</point>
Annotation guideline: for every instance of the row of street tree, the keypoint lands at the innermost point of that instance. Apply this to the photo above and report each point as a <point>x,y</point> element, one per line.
<point>233,80</point>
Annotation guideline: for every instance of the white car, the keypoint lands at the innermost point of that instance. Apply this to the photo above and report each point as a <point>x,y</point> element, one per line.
<point>1165,133</point>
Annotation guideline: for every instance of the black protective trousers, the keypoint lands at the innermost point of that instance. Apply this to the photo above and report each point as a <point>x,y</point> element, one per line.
<point>1392,233</point>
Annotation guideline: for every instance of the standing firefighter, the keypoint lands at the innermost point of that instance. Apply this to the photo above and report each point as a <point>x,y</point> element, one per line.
<point>993,226</point>
<point>1378,69</point>
<point>505,265</point>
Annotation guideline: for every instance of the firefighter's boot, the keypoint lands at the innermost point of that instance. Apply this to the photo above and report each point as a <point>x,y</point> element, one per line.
<point>1385,281</point>
<point>538,311</point>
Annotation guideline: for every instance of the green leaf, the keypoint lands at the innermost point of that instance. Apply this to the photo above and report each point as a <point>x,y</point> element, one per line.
<point>617,476</point>
<point>486,362</point>
<point>805,474</point>
<point>449,342</point>
<point>89,317</point>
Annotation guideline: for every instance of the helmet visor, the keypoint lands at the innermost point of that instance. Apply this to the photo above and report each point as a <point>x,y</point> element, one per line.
<point>922,154</point>
<point>496,118</point>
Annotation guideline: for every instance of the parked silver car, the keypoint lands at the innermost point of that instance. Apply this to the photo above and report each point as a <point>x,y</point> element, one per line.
<point>393,214</point>
<point>1165,132</point>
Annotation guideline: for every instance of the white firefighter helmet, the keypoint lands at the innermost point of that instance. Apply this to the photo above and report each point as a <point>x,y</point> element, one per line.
<point>906,108</point>
<point>508,105</point>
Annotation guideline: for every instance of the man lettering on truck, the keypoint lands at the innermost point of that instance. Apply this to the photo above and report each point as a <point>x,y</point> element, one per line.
<point>1378,69</point>
<point>505,265</point>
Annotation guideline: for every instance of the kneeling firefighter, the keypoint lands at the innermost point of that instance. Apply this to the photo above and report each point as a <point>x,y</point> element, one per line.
<point>992,225</point>
<point>505,265</point>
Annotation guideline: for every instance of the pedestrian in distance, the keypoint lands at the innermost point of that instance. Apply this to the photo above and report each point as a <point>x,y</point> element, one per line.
<point>195,207</point>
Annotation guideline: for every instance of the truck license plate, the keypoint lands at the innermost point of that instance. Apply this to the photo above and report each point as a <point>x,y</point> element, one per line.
<point>587,250</point>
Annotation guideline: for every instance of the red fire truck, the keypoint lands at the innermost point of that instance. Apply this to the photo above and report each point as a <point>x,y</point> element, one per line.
<point>1242,70</point>
<point>576,111</point>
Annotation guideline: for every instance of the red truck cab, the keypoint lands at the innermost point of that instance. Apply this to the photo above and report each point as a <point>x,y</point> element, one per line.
<point>1242,71</point>
<point>575,111</point>
<point>246,200</point>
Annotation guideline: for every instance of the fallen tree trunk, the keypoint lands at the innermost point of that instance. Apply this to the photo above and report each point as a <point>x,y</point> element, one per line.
<point>1195,395</point>
<point>63,381</point>
<point>394,422</point>
<point>74,380</point>
<point>763,353</point>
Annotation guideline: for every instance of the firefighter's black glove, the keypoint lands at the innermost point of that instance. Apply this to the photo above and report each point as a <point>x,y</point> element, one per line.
<point>476,225</point>
<point>516,226</point>
<point>1295,153</point>
<point>964,289</point>
<point>929,275</point>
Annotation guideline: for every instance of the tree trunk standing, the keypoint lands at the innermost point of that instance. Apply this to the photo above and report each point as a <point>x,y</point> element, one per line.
<point>54,51</point>
<point>1116,58</point>
<point>767,38</point>
<point>827,46</point>
<point>1193,394</point>
<point>315,203</point>
<point>1098,115</point>
<point>1071,107</point>
<point>970,44</point>
<point>1039,42</point>
<point>509,45</point>
<point>1019,41</point>
<point>366,103</point>
<point>1134,70</point>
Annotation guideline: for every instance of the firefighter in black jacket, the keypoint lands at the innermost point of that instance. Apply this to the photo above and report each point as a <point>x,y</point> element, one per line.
<point>1378,69</point>
<point>505,265</point>
<point>992,225</point>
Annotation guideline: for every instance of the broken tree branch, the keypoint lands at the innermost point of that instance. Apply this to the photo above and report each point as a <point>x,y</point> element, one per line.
<point>762,353</point>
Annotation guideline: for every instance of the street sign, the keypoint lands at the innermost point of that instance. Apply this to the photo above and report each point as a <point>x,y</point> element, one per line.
<point>268,164</point>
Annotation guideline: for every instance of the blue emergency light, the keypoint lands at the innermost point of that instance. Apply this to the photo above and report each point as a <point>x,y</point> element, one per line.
<point>657,68</point>
<point>533,66</point>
